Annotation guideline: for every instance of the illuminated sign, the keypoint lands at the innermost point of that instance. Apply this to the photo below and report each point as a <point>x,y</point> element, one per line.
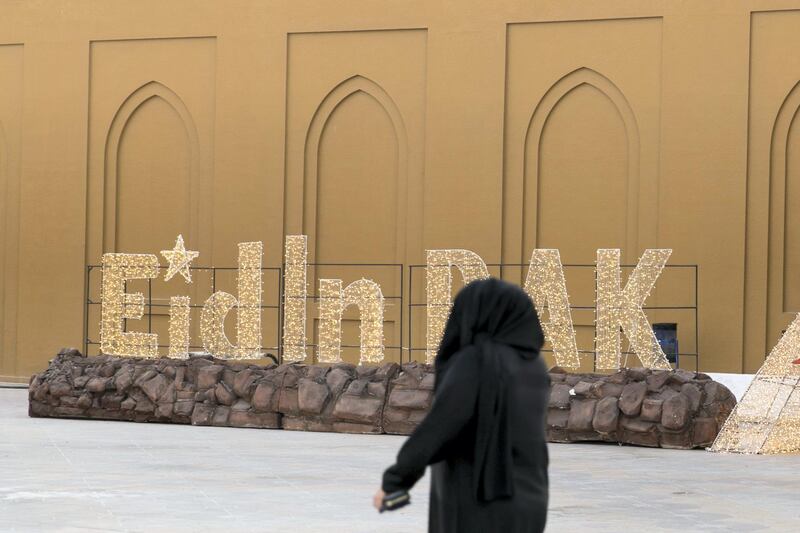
<point>618,311</point>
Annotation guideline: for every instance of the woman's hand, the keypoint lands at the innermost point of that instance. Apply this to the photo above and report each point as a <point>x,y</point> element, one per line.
<point>377,500</point>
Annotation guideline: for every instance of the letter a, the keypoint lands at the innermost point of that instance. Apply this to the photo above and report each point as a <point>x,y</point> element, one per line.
<point>547,288</point>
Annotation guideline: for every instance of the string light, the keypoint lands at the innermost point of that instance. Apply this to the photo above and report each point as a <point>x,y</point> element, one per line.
<point>133,305</point>
<point>546,286</point>
<point>767,418</point>
<point>179,259</point>
<point>295,294</point>
<point>368,297</point>
<point>248,320</point>
<point>623,309</point>
<point>439,284</point>
<point>118,306</point>
<point>179,327</point>
<point>331,307</point>
<point>212,324</point>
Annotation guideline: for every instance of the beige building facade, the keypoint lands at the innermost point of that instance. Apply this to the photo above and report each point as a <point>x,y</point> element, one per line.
<point>382,129</point>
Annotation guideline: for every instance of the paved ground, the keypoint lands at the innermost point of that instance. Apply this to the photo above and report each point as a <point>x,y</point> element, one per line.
<point>70,475</point>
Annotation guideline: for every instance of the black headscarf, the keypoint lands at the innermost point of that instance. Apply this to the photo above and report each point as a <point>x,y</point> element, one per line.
<point>497,319</point>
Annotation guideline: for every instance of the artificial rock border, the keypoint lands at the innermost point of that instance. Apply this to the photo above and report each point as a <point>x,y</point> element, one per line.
<point>669,409</point>
<point>205,391</point>
<point>676,409</point>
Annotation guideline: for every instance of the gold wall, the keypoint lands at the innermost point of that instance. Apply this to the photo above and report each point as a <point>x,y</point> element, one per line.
<point>381,129</point>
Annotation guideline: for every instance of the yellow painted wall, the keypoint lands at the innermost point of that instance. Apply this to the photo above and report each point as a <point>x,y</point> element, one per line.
<point>381,129</point>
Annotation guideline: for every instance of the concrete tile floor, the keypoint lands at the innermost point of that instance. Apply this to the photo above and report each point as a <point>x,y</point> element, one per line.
<point>73,475</point>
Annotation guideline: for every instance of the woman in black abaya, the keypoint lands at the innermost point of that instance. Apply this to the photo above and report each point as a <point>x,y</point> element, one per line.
<point>485,432</point>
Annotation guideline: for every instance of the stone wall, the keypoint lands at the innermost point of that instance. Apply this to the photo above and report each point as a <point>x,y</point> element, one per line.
<point>409,399</point>
<point>677,409</point>
<point>205,391</point>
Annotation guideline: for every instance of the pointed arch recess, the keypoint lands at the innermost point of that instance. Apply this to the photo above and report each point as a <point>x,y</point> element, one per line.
<point>778,315</point>
<point>319,120</point>
<point>130,105</point>
<point>4,238</point>
<point>3,168</point>
<point>533,137</point>
<point>9,252</point>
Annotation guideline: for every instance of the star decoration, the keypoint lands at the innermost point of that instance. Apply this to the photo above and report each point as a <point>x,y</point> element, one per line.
<point>179,259</point>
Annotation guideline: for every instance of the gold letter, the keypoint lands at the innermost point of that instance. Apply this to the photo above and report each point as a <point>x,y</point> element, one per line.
<point>179,327</point>
<point>367,295</point>
<point>248,320</point>
<point>439,286</point>
<point>117,305</point>
<point>547,288</point>
<point>331,307</point>
<point>294,298</point>
<point>623,309</point>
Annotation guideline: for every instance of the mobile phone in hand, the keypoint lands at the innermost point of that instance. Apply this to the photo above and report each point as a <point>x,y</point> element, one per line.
<point>395,500</point>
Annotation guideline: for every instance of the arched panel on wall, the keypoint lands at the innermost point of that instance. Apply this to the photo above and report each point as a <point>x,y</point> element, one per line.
<point>355,188</point>
<point>356,94</point>
<point>783,294</point>
<point>356,183</point>
<point>154,187</point>
<point>15,363</point>
<point>582,176</point>
<point>9,249</point>
<point>598,125</point>
<point>156,127</point>
<point>4,237</point>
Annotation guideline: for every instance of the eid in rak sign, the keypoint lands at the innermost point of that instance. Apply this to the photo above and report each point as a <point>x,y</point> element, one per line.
<point>618,309</point>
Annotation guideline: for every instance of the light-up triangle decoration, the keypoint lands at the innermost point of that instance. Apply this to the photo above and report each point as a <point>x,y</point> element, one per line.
<point>767,418</point>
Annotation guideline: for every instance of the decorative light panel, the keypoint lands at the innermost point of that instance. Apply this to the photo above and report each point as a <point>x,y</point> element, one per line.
<point>546,285</point>
<point>439,284</point>
<point>179,327</point>
<point>622,309</point>
<point>118,306</point>
<point>248,320</point>
<point>767,418</point>
<point>368,297</point>
<point>295,293</point>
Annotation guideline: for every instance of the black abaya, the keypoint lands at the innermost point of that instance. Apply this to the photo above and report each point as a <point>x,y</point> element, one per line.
<point>485,432</point>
